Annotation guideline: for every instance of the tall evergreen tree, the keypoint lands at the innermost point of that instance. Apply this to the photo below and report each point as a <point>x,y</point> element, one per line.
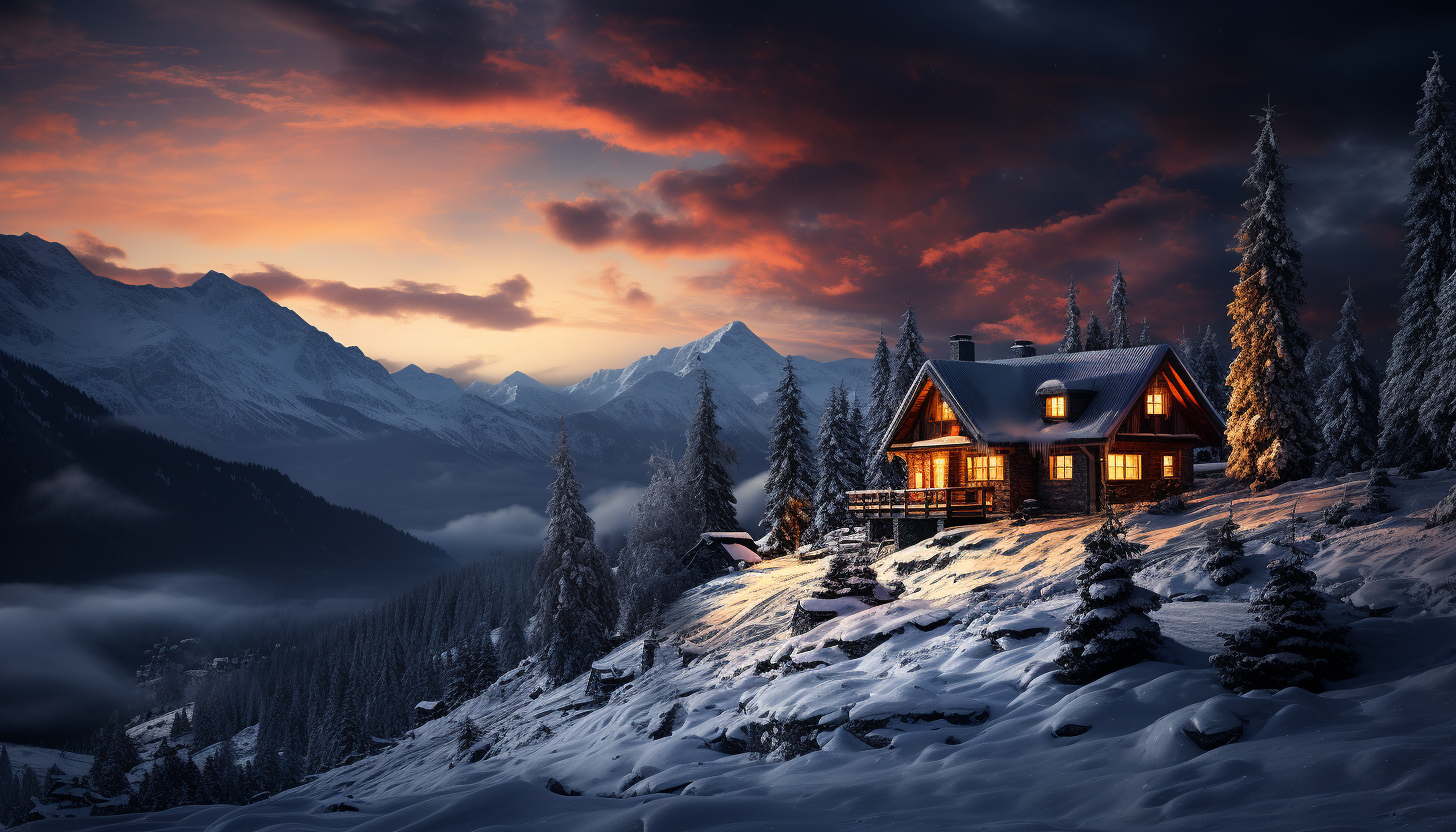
<point>1145,336</point>
<point>1316,369</point>
<point>1289,644</point>
<point>879,473</point>
<point>1209,371</point>
<point>1270,427</point>
<point>789,490</point>
<point>1117,329</point>
<point>831,508</point>
<point>1349,399</point>
<point>1072,337</point>
<point>1420,362</point>
<point>576,605</point>
<point>660,534</point>
<point>1110,628</point>
<point>1096,337</point>
<point>855,440</point>
<point>709,485</point>
<point>908,355</point>
<point>1187,348</point>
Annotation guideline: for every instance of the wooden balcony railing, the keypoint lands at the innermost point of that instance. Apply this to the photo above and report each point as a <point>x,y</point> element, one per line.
<point>928,503</point>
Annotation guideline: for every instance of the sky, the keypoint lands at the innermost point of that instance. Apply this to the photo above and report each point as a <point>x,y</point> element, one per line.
<point>553,187</point>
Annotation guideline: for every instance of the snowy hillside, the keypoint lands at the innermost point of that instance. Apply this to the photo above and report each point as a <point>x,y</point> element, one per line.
<point>219,366</point>
<point>941,710</point>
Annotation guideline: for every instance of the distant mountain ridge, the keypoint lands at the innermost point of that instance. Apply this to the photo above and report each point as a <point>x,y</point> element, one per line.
<point>220,366</point>
<point>84,497</point>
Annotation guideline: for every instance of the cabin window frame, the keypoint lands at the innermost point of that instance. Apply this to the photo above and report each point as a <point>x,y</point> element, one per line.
<point>1063,467</point>
<point>941,411</point>
<point>940,471</point>
<point>1120,465</point>
<point>1055,407</point>
<point>1170,466</point>
<point>990,464</point>
<point>1155,402</point>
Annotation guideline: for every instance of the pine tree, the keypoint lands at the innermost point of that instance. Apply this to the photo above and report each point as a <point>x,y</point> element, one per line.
<point>1225,552</point>
<point>1289,644</point>
<point>1096,338</point>
<point>790,485</point>
<point>1419,359</point>
<point>660,534</point>
<point>1377,501</point>
<point>181,725</point>
<point>1209,373</point>
<point>1270,426</point>
<point>1117,328</point>
<point>709,486</point>
<point>908,357</point>
<point>879,473</point>
<point>1145,337</point>
<point>576,605</point>
<point>1187,349</point>
<point>847,576</point>
<point>467,738</point>
<point>1349,398</point>
<point>1072,337</point>
<point>854,441</point>
<point>1316,368</point>
<point>831,507</point>
<point>1110,628</point>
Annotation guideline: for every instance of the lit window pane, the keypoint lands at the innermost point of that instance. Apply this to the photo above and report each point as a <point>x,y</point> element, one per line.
<point>1170,465</point>
<point>1157,406</point>
<point>1056,407</point>
<point>1061,467</point>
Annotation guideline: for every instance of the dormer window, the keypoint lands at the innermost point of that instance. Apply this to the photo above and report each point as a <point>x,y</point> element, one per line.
<point>1157,403</point>
<point>1056,407</point>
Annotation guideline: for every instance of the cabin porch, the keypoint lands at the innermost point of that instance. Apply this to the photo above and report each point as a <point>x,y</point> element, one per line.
<point>955,506</point>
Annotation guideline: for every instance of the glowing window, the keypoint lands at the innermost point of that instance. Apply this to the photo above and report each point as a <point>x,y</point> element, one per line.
<point>919,479</point>
<point>938,465</point>
<point>942,411</point>
<point>986,467</point>
<point>1157,404</point>
<point>1056,407</point>
<point>1061,467</point>
<point>1124,467</point>
<point>1170,465</point>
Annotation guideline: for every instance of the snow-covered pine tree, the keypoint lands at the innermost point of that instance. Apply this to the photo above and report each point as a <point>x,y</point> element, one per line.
<point>1209,373</point>
<point>1145,336</point>
<point>789,489</point>
<point>576,605</point>
<point>831,508</point>
<point>1225,552</point>
<point>1110,628</point>
<point>1271,426</point>
<point>1289,644</point>
<point>467,738</point>
<point>1315,366</point>
<point>1377,501</point>
<point>1096,337</point>
<point>1349,398</point>
<point>908,356</point>
<point>879,473</point>
<point>1117,329</point>
<point>1187,348</point>
<point>706,460</point>
<point>1407,406</point>
<point>1072,337</point>
<point>847,576</point>
<point>651,562</point>
<point>854,439</point>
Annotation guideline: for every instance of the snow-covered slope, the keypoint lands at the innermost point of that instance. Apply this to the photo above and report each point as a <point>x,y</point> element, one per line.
<point>219,366</point>
<point>941,710</point>
<point>40,760</point>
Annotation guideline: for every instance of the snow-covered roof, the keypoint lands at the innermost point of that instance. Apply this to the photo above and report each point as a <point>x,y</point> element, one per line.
<point>727,536</point>
<point>740,552</point>
<point>998,402</point>
<point>428,706</point>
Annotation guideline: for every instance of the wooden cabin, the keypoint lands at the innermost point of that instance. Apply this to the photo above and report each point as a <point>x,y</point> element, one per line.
<point>1074,432</point>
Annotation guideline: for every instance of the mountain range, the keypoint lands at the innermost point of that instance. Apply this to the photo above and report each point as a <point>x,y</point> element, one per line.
<point>85,497</point>
<point>219,366</point>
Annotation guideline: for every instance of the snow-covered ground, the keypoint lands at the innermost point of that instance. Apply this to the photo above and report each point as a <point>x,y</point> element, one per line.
<point>40,760</point>
<point>940,711</point>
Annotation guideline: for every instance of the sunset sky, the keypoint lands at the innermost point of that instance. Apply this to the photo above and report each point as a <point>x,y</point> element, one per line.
<point>553,187</point>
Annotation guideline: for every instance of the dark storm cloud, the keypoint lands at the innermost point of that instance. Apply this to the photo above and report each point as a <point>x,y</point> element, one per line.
<point>866,143</point>
<point>503,309</point>
<point>450,50</point>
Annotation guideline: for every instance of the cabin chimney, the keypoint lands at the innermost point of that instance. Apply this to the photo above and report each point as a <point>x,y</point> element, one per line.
<point>1022,349</point>
<point>962,348</point>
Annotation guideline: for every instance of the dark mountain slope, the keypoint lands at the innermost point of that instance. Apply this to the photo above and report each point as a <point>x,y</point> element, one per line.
<point>83,496</point>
